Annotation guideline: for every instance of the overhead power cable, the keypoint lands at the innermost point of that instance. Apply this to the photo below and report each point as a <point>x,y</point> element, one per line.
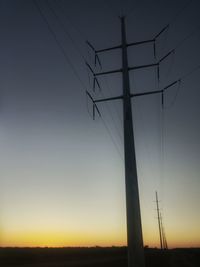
<point>62,25</point>
<point>114,104</point>
<point>111,136</point>
<point>187,37</point>
<point>170,66</point>
<point>113,120</point>
<point>68,20</point>
<point>70,63</point>
<point>175,97</point>
<point>180,43</point>
<point>59,44</point>
<point>162,148</point>
<point>183,77</point>
<point>175,18</point>
<point>190,72</point>
<point>173,51</point>
<point>180,12</point>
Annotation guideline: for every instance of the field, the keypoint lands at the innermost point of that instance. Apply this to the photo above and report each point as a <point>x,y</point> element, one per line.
<point>96,257</point>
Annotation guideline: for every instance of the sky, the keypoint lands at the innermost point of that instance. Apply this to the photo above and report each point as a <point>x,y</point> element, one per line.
<point>62,173</point>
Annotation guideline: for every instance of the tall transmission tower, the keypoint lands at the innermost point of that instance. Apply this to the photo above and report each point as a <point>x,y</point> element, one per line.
<point>165,246</point>
<point>163,240</point>
<point>159,222</point>
<point>134,225</point>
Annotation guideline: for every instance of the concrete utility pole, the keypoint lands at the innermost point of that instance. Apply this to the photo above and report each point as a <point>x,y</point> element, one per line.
<point>134,226</point>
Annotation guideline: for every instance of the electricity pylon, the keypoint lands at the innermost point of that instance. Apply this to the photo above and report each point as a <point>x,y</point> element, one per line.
<point>163,240</point>
<point>159,222</point>
<point>134,225</point>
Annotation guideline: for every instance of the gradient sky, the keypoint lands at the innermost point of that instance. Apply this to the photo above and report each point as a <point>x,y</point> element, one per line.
<point>62,174</point>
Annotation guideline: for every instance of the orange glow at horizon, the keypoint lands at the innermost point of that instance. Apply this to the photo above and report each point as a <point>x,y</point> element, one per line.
<point>80,239</point>
<point>60,239</point>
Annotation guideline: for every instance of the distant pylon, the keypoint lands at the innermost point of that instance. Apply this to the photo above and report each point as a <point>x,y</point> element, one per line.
<point>163,240</point>
<point>159,222</point>
<point>165,246</point>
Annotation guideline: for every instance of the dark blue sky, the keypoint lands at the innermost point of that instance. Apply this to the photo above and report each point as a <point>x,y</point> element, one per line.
<point>56,159</point>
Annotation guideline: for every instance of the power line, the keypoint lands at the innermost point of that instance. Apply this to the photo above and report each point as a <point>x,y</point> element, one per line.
<point>107,106</point>
<point>67,33</point>
<point>59,44</point>
<point>113,140</point>
<point>162,148</point>
<point>183,77</point>
<point>190,72</point>
<point>170,22</point>
<point>170,65</point>
<point>70,63</point>
<point>180,43</point>
<point>109,89</point>
<point>69,21</point>
<point>180,11</point>
<point>175,97</point>
<point>61,7</point>
<point>175,18</point>
<point>172,51</point>
<point>187,37</point>
<point>65,30</point>
<point>113,120</point>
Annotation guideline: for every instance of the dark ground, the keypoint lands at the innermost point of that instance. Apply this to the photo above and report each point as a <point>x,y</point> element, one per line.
<point>96,257</point>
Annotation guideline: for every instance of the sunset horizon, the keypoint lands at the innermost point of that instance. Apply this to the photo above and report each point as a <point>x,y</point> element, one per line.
<point>100,132</point>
